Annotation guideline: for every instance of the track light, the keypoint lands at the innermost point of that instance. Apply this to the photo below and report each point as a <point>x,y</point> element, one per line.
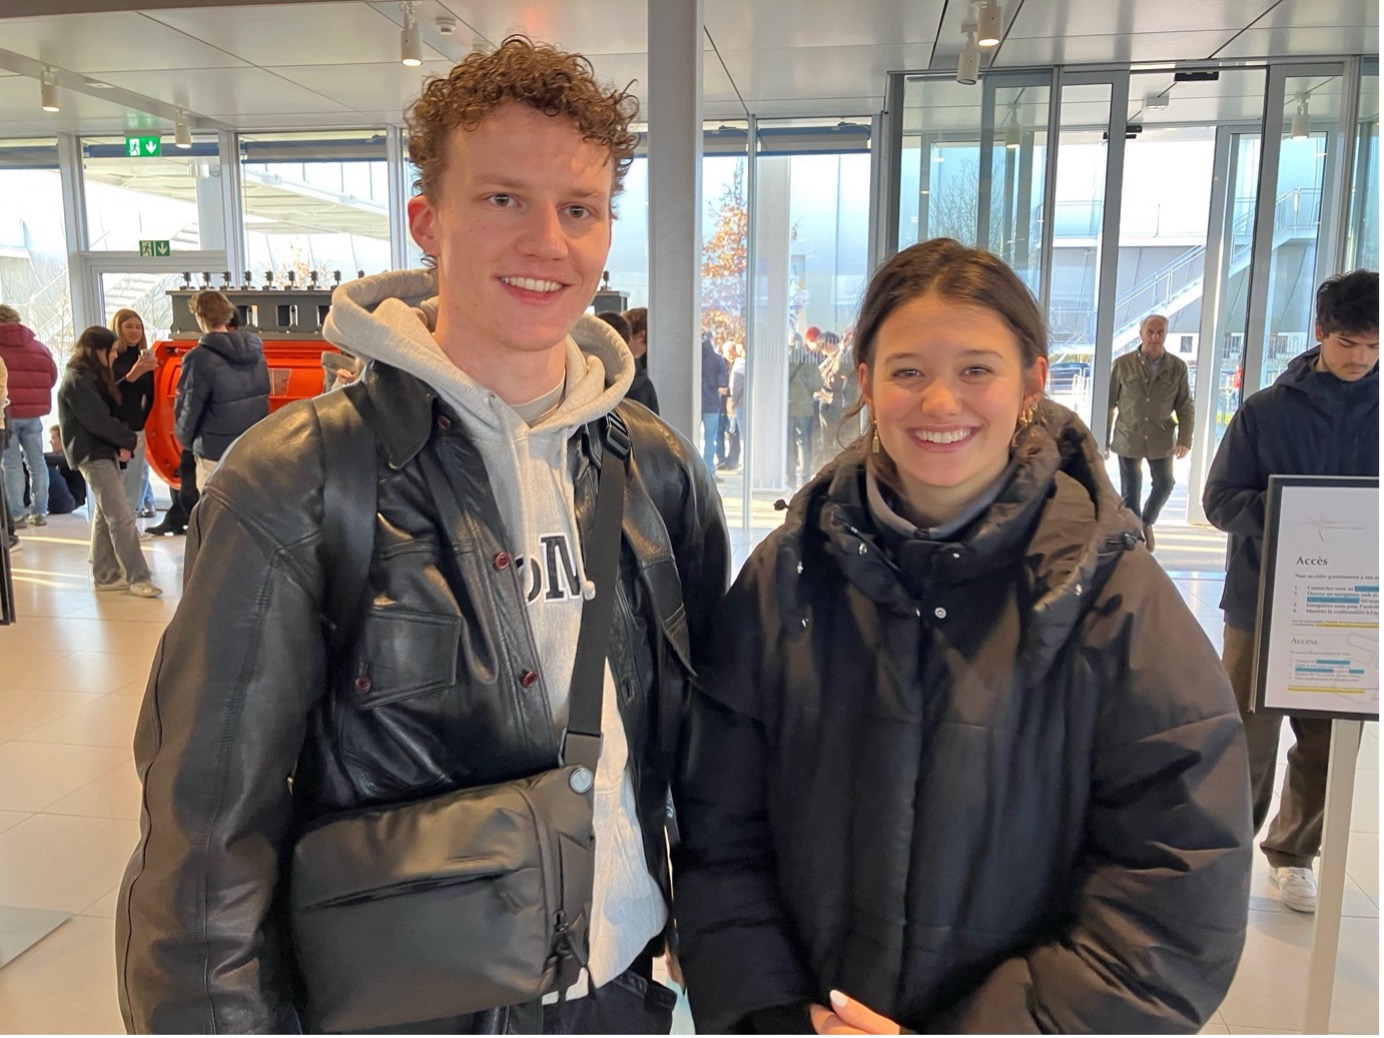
<point>1302,120</point>
<point>991,24</point>
<point>968,62</point>
<point>48,91</point>
<point>182,132</point>
<point>1014,135</point>
<point>410,42</point>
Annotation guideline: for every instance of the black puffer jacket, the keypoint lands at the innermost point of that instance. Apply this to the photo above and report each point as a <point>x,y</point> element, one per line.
<point>87,418</point>
<point>430,697</point>
<point>222,391</point>
<point>995,785</point>
<point>1308,423</point>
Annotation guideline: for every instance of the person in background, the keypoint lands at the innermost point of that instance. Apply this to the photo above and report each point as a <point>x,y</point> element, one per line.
<point>1148,388</point>
<point>134,369</point>
<point>96,442</point>
<point>6,521</point>
<point>224,386</point>
<point>1321,418</point>
<point>963,761</point>
<point>67,490</point>
<point>641,389</point>
<point>835,396</point>
<point>32,376</point>
<point>804,383</point>
<point>735,404</point>
<point>715,389</point>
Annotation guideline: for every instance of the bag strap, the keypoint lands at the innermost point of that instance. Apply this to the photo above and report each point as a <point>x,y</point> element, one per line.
<point>582,743</point>
<point>349,502</point>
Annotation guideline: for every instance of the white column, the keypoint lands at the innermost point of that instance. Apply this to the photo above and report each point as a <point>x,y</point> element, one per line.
<point>674,115</point>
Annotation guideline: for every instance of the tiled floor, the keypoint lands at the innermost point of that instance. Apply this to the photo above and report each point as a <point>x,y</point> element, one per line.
<point>71,676</point>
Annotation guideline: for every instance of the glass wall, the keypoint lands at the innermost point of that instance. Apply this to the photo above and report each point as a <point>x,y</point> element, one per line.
<point>1297,217</point>
<point>316,203</point>
<point>173,197</point>
<point>1362,245</point>
<point>33,242</point>
<point>1018,176</point>
<point>940,170</point>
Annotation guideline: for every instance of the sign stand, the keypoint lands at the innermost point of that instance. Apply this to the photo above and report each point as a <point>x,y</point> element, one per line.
<point>1331,887</point>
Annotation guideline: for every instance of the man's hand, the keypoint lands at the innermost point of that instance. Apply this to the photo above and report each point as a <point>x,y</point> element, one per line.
<point>1181,452</point>
<point>847,1016</point>
<point>123,455</point>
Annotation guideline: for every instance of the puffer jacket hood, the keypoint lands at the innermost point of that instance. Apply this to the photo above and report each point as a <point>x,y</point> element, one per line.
<point>1322,388</point>
<point>390,317</point>
<point>16,335</point>
<point>1057,508</point>
<point>241,347</point>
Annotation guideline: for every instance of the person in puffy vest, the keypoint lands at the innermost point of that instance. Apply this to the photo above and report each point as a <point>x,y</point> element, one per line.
<point>32,376</point>
<point>224,385</point>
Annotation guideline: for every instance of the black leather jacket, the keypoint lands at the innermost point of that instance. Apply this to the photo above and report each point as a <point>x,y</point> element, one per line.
<point>432,695</point>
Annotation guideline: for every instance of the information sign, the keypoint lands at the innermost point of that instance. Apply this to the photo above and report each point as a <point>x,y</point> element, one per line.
<point>143,147</point>
<point>148,247</point>
<point>1317,644</point>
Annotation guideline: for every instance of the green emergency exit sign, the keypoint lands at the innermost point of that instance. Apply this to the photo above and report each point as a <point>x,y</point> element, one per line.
<point>143,147</point>
<point>148,247</point>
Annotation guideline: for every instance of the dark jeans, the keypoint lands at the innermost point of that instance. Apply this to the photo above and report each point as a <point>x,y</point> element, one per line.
<point>801,440</point>
<point>1131,480</point>
<point>711,437</point>
<point>185,497</point>
<point>1295,837</point>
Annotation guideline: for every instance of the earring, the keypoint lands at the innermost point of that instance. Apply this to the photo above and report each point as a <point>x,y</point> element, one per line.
<point>874,439</point>
<point>1026,417</point>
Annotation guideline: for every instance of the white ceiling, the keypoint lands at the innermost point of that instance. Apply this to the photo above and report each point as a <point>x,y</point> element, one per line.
<point>334,63</point>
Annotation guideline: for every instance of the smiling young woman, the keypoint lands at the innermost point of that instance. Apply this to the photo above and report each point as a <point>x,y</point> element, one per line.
<point>944,762</point>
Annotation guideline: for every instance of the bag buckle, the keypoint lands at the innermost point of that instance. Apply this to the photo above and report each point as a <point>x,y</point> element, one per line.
<point>582,750</point>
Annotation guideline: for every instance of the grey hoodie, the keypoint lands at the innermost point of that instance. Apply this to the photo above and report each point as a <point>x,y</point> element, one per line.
<point>389,318</point>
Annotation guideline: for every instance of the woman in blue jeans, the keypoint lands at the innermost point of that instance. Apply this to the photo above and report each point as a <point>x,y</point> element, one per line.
<point>97,443</point>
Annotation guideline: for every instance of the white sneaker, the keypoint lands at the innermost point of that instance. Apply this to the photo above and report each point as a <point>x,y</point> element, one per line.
<point>144,589</point>
<point>1298,887</point>
<point>115,585</point>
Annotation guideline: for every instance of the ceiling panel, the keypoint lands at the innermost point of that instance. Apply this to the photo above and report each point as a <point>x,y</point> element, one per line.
<point>770,24</point>
<point>830,107</point>
<point>1302,13</point>
<point>827,71</point>
<point>1286,42</point>
<point>1088,49</point>
<point>1130,17</point>
<point>612,26</point>
<point>322,34</point>
<point>19,100</point>
<point>386,86</point>
<point>100,42</point>
<point>219,92</point>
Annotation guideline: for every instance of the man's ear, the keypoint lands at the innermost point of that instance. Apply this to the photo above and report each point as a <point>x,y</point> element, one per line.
<point>422,224</point>
<point>1317,331</point>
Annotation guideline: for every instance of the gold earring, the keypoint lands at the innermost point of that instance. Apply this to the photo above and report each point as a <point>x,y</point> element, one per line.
<point>874,440</point>
<point>1026,417</point>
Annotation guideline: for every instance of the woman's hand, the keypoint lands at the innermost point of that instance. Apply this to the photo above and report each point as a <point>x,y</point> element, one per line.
<point>123,455</point>
<point>146,363</point>
<point>847,1016</point>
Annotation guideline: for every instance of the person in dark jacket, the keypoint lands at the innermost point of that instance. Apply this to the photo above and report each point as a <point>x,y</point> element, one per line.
<point>944,770</point>
<point>67,490</point>
<point>493,404</point>
<point>96,442</point>
<point>224,385</point>
<point>642,388</point>
<point>1321,418</point>
<point>32,376</point>
<point>134,368</point>
<point>715,389</point>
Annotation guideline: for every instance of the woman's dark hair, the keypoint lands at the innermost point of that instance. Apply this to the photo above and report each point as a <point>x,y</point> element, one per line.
<point>91,353</point>
<point>1349,303</point>
<point>957,274</point>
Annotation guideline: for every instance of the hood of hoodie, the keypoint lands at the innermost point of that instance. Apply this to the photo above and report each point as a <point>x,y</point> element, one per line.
<point>1323,389</point>
<point>240,347</point>
<point>15,335</point>
<point>390,318</point>
<point>1056,512</point>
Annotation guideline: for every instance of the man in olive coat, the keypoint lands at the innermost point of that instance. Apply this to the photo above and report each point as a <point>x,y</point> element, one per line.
<point>1148,388</point>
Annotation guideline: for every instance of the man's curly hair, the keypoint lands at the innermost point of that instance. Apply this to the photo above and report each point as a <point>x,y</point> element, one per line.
<point>552,81</point>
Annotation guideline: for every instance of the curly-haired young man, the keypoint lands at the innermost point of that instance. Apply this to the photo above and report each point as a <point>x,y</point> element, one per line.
<point>490,391</point>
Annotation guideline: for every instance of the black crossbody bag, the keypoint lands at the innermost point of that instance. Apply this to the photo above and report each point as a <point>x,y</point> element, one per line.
<point>471,900</point>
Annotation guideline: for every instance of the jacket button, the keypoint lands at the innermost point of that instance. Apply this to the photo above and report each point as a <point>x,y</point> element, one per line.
<point>503,560</point>
<point>527,678</point>
<point>940,613</point>
<point>443,422</point>
<point>364,684</point>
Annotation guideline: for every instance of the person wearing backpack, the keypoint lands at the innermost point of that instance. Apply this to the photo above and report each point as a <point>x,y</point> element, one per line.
<point>387,598</point>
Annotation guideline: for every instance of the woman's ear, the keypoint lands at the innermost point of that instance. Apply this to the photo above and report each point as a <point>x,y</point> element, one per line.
<point>862,373</point>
